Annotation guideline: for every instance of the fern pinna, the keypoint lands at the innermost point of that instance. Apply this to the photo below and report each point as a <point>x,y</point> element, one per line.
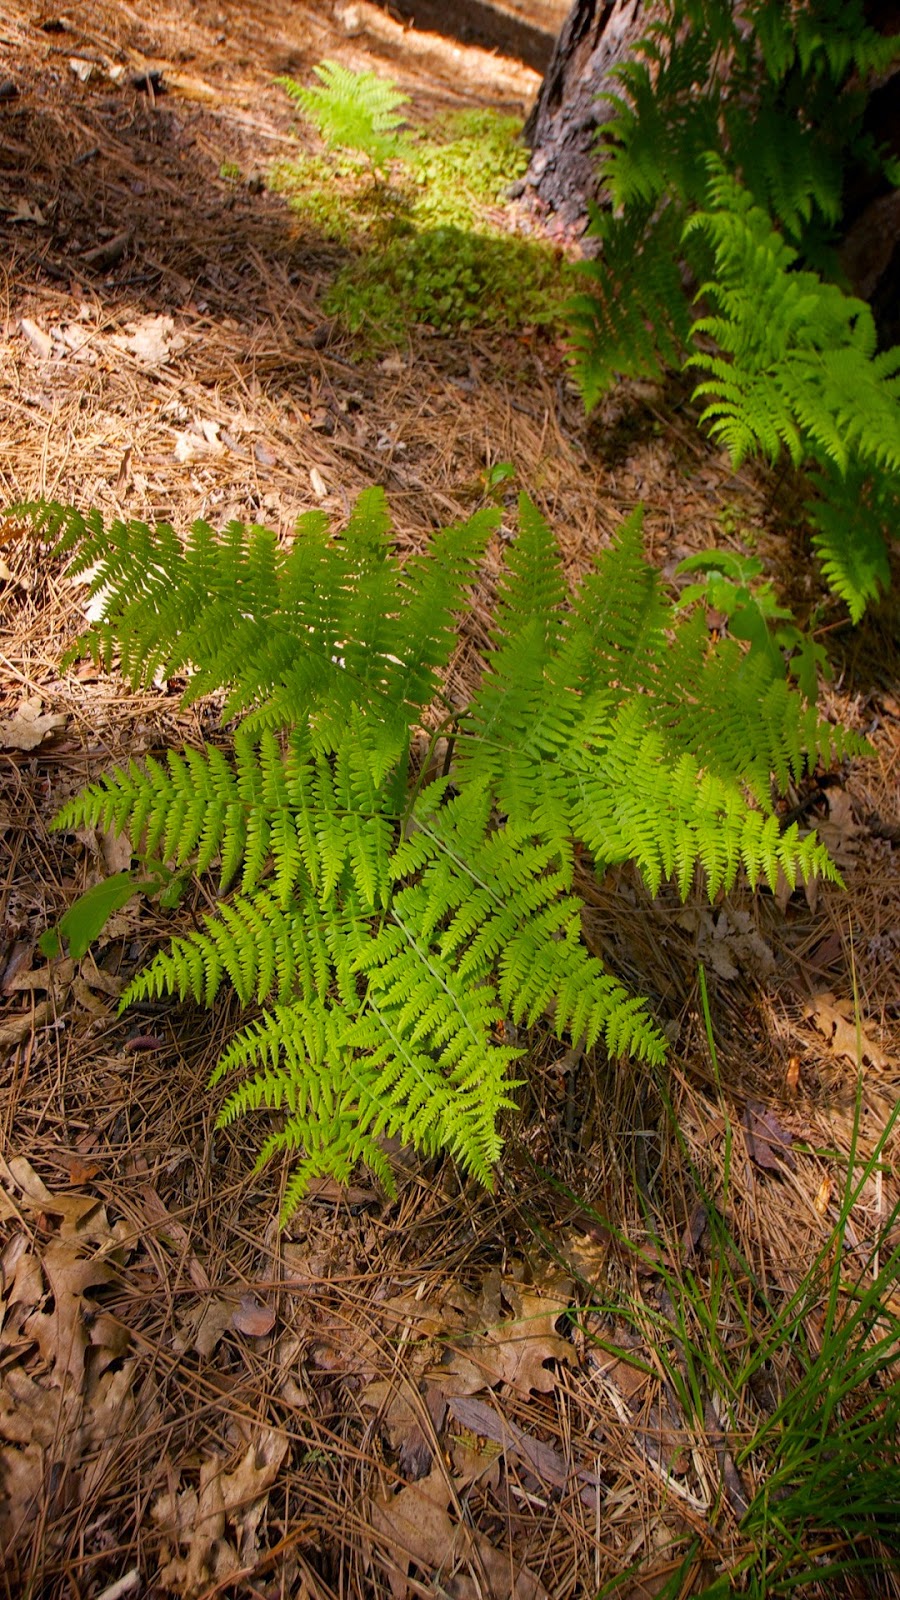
<point>387,923</point>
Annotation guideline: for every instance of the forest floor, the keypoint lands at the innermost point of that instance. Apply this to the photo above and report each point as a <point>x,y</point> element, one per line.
<point>451,1393</point>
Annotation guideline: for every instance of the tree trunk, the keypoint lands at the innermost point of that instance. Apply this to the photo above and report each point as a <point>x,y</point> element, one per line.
<point>599,35</point>
<point>562,128</point>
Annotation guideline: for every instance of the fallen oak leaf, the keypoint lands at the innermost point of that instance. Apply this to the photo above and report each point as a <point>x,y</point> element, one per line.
<point>82,1217</point>
<point>203,1326</point>
<point>519,1349</point>
<point>16,1029</point>
<point>40,341</point>
<point>168,1229</point>
<point>545,1462</point>
<point>29,726</point>
<point>836,1021</point>
<point>198,1520</point>
<point>840,832</point>
<point>61,1334</point>
<point>401,1409</point>
<point>415,1525</point>
<point>152,339</point>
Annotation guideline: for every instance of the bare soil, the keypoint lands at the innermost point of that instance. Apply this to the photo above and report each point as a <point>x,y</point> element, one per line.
<point>410,1396</point>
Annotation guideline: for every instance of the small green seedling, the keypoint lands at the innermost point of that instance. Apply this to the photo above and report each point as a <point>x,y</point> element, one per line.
<point>497,479</point>
<point>754,614</point>
<point>88,915</point>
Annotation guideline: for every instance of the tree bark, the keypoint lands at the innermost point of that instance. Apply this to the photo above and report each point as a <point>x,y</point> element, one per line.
<point>562,128</point>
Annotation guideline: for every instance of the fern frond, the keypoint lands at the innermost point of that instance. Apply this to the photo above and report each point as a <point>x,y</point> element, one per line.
<point>391,928</point>
<point>666,118</point>
<point>288,813</point>
<point>801,370</point>
<point>352,110</point>
<point>620,615</point>
<point>632,320</point>
<point>786,165</point>
<point>258,947</point>
<point>830,37</point>
<point>298,636</point>
<point>852,517</point>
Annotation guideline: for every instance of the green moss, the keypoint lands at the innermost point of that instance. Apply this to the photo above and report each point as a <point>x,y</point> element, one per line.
<point>463,163</point>
<point>337,197</point>
<point>449,279</point>
<point>427,239</point>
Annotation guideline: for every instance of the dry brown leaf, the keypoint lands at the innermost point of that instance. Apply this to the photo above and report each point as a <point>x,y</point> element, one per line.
<point>461,1374</point>
<point>835,1020</point>
<point>29,1411</point>
<point>517,1350</point>
<point>82,1217</point>
<point>110,1414</point>
<point>201,1328</point>
<point>199,440</point>
<point>401,1409</point>
<point>512,1350</point>
<point>15,1029</point>
<point>28,1283</point>
<point>768,1143</point>
<point>61,1334</point>
<point>191,88</point>
<point>729,942</point>
<point>415,1526</point>
<point>29,726</point>
<point>168,1228</point>
<point>152,339</point>
<point>18,961</point>
<point>41,342</point>
<point>84,996</point>
<point>116,850</point>
<point>197,1520</point>
<point>545,1462</point>
<point>840,832</point>
<point>253,1318</point>
<point>587,1257</point>
<point>54,978</point>
<point>329,1192</point>
<point>22,1486</point>
<point>106,982</point>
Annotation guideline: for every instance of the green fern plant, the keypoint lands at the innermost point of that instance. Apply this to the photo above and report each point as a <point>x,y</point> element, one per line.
<point>390,915</point>
<point>355,111</point>
<point>724,161</point>
<point>429,247</point>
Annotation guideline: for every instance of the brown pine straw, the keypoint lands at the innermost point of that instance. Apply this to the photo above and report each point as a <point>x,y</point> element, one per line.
<point>600,1188</point>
